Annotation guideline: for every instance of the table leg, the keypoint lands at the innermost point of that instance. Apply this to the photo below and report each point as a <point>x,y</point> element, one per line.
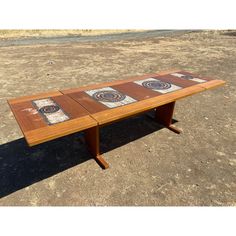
<point>164,114</point>
<point>92,139</point>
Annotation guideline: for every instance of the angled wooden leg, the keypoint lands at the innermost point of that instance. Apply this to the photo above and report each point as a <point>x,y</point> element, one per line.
<point>174,129</point>
<point>92,139</point>
<point>164,114</point>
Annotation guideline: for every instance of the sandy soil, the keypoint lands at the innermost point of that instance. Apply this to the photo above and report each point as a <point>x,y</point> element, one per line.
<point>13,34</point>
<point>149,165</point>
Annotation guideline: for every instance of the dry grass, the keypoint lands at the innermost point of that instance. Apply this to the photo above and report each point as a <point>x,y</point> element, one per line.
<point>9,34</point>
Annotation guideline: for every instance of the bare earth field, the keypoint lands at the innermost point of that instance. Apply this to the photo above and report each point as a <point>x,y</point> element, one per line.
<point>16,34</point>
<point>149,165</point>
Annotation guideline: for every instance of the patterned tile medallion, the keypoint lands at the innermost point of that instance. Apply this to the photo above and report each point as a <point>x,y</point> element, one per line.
<point>50,111</point>
<point>110,97</point>
<point>158,85</point>
<point>188,77</point>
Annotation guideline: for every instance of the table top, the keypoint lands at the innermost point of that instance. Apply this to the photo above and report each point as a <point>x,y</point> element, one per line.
<point>112,101</point>
<point>51,115</point>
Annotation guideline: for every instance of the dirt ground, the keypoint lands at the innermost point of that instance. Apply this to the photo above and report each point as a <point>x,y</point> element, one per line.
<point>16,34</point>
<point>149,165</point>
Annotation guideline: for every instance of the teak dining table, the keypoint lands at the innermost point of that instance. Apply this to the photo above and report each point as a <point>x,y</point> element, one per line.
<point>47,116</point>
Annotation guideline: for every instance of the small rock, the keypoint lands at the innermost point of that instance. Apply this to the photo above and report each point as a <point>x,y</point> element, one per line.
<point>232,162</point>
<point>51,62</point>
<point>220,153</point>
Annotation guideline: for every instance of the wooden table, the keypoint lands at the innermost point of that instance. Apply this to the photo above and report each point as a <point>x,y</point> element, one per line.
<point>47,116</point>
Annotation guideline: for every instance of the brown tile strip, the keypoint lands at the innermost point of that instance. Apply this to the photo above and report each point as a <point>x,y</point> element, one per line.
<point>87,102</point>
<point>70,106</point>
<point>135,91</point>
<point>177,81</point>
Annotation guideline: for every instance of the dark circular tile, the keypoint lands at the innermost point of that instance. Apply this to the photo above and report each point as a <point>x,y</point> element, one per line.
<point>109,96</point>
<point>156,84</point>
<point>187,77</point>
<point>49,109</point>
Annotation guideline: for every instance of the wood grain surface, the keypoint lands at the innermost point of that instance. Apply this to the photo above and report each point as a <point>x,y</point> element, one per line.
<point>34,127</point>
<point>135,91</point>
<point>44,134</point>
<point>87,102</point>
<point>147,98</point>
<point>85,112</point>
